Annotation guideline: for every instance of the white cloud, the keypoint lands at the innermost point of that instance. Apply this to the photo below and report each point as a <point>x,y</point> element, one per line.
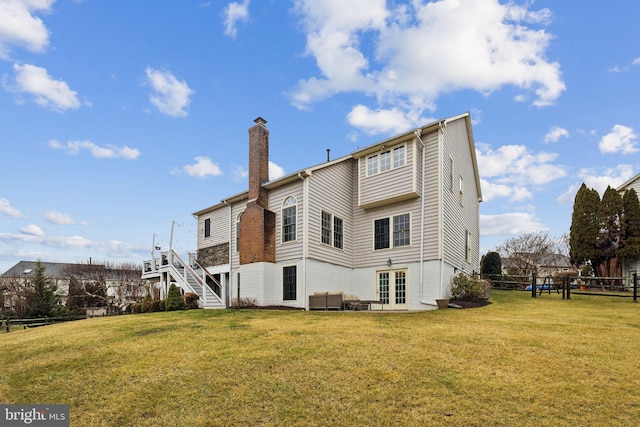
<point>621,139</point>
<point>516,164</point>
<point>32,230</point>
<point>239,173</point>
<point>636,61</point>
<point>509,223</point>
<point>19,26</point>
<point>492,191</point>
<point>60,218</point>
<point>598,180</point>
<point>98,152</point>
<point>555,133</point>
<point>202,168</point>
<point>275,171</point>
<point>170,96</point>
<point>47,92</point>
<point>235,12</point>
<point>381,121</point>
<point>7,209</point>
<point>423,50</point>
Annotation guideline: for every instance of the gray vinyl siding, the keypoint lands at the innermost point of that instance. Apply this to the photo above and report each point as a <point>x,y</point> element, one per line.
<point>389,186</point>
<point>431,197</point>
<point>459,218</point>
<point>236,210</point>
<point>331,191</point>
<point>288,250</point>
<point>219,228</point>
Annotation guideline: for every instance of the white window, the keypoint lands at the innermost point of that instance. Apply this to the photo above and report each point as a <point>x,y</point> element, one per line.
<point>401,231</point>
<point>461,190</point>
<point>398,156</point>
<point>331,230</point>
<point>372,165</point>
<point>451,174</point>
<point>386,160</point>
<point>238,231</point>
<point>289,219</point>
<point>467,245</point>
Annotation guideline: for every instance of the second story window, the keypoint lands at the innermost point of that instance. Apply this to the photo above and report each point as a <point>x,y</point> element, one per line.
<point>207,227</point>
<point>289,219</point>
<point>331,230</point>
<point>238,232</point>
<point>386,160</point>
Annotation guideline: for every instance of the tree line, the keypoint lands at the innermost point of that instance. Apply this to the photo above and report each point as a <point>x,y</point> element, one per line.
<point>604,232</point>
<point>108,286</point>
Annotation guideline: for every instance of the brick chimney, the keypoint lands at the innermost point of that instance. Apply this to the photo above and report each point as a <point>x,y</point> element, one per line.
<point>257,223</point>
<point>258,161</point>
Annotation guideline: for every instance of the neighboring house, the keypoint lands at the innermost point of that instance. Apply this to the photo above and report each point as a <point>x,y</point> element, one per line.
<point>543,265</point>
<point>123,286</point>
<point>630,266</point>
<point>393,222</point>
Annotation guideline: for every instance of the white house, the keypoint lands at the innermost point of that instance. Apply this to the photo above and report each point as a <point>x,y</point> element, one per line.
<point>392,222</point>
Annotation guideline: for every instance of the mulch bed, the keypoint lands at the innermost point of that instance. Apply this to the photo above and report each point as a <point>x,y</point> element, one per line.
<point>470,304</point>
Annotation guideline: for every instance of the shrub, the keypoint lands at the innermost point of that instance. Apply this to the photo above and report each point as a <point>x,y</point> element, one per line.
<point>243,303</point>
<point>467,288</point>
<point>191,300</point>
<point>161,305</point>
<point>155,305</point>
<point>174,299</point>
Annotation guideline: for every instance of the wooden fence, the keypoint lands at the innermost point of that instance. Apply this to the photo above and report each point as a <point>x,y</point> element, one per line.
<point>8,323</point>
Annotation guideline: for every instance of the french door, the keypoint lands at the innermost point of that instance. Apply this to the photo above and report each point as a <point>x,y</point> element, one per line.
<point>391,289</point>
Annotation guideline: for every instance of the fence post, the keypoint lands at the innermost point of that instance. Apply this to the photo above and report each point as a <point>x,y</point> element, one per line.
<point>534,286</point>
<point>564,288</point>
<point>635,287</point>
<point>568,288</point>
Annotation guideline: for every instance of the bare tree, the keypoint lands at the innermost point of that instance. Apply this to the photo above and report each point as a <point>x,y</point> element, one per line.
<point>16,295</point>
<point>108,285</point>
<point>527,252</point>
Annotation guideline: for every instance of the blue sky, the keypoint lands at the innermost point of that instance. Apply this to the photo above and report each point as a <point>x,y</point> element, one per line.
<point>118,117</point>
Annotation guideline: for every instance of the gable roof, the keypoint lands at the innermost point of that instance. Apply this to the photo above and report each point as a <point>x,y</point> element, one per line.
<point>303,173</point>
<point>57,270</point>
<point>628,183</point>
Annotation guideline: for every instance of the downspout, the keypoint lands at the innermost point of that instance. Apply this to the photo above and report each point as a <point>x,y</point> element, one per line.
<point>305,245</point>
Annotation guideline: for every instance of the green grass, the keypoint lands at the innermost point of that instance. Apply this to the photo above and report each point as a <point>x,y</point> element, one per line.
<point>519,361</point>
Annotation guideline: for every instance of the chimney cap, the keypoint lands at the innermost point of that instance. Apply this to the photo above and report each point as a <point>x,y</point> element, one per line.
<point>260,121</point>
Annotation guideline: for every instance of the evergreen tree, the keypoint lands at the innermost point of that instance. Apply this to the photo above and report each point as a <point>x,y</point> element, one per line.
<point>76,297</point>
<point>44,299</point>
<point>491,268</point>
<point>175,301</point>
<point>610,222</point>
<point>630,245</point>
<point>584,228</point>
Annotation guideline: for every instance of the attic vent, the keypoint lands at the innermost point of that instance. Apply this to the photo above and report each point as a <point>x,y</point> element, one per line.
<point>27,271</point>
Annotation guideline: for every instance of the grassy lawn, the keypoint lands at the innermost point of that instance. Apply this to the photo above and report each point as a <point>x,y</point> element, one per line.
<point>518,361</point>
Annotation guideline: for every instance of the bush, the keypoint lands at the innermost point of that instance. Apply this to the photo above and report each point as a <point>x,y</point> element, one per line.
<point>161,305</point>
<point>155,305</point>
<point>191,300</point>
<point>174,299</point>
<point>467,288</point>
<point>243,303</point>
